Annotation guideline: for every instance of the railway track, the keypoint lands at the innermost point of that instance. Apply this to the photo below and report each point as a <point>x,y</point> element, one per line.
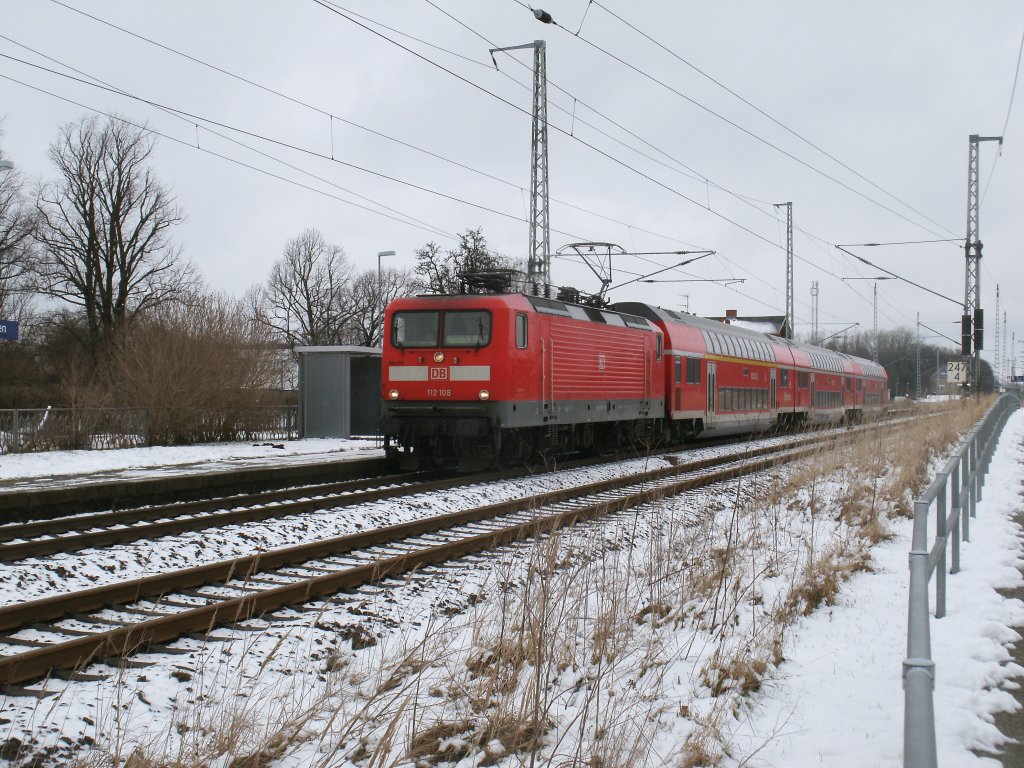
<point>67,632</point>
<point>38,538</point>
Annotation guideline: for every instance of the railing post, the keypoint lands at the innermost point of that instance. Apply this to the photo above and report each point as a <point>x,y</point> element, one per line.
<point>940,535</point>
<point>954,508</point>
<point>918,668</point>
<point>972,482</point>
<point>16,427</point>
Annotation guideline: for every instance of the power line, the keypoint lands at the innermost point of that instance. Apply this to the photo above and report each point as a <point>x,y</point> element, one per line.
<point>1006,122</point>
<point>278,142</point>
<point>414,147</point>
<point>334,8</point>
<point>179,114</point>
<point>408,220</point>
<point>743,130</point>
<point>760,111</point>
<point>354,124</point>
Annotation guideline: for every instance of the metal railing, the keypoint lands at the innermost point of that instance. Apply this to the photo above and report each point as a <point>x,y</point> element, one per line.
<point>955,492</point>
<point>25,430</point>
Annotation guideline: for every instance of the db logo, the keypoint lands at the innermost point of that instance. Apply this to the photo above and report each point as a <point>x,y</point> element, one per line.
<point>438,374</point>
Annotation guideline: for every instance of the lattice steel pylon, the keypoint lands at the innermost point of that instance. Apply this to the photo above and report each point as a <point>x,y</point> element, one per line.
<point>973,315</point>
<point>538,265</point>
<point>789,268</point>
<point>814,311</point>
<point>998,366</point>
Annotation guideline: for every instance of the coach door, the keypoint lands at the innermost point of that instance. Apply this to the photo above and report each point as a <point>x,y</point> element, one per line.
<point>709,418</point>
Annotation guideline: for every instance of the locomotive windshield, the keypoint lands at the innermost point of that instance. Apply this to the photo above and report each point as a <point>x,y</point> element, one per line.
<point>415,329</point>
<point>467,329</point>
<point>462,328</point>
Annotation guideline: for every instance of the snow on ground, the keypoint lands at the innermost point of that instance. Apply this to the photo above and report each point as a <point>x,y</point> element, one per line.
<point>53,468</point>
<point>836,701</point>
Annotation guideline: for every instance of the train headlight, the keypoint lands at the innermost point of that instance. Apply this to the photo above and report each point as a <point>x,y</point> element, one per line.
<point>392,394</point>
<point>485,395</point>
<point>439,357</point>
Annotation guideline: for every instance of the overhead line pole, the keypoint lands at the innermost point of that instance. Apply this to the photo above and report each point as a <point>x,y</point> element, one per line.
<point>973,312</point>
<point>789,268</point>
<point>538,265</point>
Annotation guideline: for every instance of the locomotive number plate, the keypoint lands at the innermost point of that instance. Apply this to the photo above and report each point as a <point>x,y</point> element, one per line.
<point>439,393</point>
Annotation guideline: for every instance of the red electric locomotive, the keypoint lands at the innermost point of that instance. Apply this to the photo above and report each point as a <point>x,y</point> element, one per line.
<point>484,379</point>
<point>480,380</point>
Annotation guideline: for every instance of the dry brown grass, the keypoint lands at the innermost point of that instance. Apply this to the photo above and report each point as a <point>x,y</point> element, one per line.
<point>575,656</point>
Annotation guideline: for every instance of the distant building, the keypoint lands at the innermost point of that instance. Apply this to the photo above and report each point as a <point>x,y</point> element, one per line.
<point>774,325</point>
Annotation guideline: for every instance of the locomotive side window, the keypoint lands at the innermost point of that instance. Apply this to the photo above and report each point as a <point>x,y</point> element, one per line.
<point>467,328</point>
<point>659,347</point>
<point>521,331</point>
<point>414,329</point>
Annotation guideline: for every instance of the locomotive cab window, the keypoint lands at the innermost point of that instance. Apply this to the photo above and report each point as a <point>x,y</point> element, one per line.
<point>466,328</point>
<point>415,329</point>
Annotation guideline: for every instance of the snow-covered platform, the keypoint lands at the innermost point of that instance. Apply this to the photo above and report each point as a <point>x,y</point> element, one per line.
<point>58,469</point>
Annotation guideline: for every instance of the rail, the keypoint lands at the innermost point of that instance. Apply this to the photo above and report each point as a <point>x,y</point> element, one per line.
<point>955,492</point>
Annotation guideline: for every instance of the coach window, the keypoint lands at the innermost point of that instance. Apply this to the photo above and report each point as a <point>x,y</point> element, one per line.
<point>801,379</point>
<point>414,329</point>
<point>693,370</point>
<point>658,346</point>
<point>679,369</point>
<point>521,331</point>
<point>784,378</point>
<point>467,328</point>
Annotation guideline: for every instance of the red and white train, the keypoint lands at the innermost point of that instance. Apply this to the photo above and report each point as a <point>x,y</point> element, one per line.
<point>484,379</point>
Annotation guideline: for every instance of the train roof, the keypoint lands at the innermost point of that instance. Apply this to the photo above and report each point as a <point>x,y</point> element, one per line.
<point>604,315</point>
<point>819,358</point>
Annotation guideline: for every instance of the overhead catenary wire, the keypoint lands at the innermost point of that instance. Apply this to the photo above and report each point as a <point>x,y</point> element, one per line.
<point>740,128</point>
<point>335,8</point>
<point>1006,122</point>
<point>763,113</point>
<point>322,111</point>
<point>767,211</point>
<point>425,227</point>
<point>256,135</point>
<point>380,134</point>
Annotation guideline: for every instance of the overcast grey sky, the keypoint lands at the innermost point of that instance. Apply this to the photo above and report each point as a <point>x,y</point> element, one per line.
<point>646,151</point>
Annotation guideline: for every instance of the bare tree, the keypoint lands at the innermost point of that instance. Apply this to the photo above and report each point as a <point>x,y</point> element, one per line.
<point>104,228</point>
<point>442,272</point>
<point>17,222</point>
<point>364,327</point>
<point>307,293</point>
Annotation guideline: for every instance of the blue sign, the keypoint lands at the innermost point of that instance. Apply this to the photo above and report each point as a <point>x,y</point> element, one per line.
<point>8,330</point>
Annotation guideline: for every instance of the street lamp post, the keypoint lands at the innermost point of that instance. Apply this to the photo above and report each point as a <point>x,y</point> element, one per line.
<point>380,297</point>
